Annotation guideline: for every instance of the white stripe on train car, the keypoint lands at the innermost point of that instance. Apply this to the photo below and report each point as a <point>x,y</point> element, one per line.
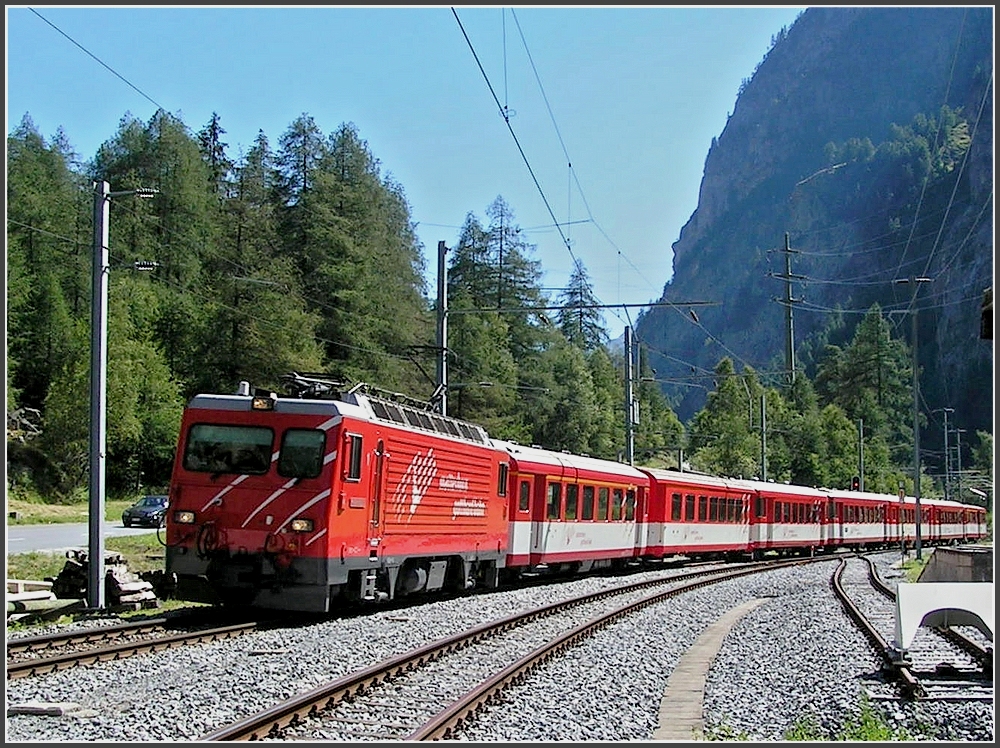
<point>315,537</point>
<point>314,500</point>
<point>217,499</point>
<point>267,501</point>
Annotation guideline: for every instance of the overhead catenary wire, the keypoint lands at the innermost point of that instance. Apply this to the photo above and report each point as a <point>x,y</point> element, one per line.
<point>114,72</point>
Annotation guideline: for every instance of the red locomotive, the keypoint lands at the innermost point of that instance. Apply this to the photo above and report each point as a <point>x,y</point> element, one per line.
<point>307,502</point>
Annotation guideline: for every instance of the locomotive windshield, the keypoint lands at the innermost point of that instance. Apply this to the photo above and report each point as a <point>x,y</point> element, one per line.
<point>228,449</point>
<point>301,453</point>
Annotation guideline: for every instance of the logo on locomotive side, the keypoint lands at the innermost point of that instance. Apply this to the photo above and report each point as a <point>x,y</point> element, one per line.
<point>468,508</point>
<point>413,485</point>
<point>453,483</point>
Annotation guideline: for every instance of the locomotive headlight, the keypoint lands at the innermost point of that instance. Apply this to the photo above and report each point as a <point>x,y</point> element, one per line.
<point>302,525</point>
<point>184,517</point>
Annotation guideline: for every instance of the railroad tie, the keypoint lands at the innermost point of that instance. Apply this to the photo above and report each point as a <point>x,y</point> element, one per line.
<point>681,707</point>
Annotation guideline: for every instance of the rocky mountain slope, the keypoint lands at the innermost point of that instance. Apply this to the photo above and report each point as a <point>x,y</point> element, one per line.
<point>839,141</point>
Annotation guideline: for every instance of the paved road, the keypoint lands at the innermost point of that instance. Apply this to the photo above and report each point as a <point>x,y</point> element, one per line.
<point>61,536</point>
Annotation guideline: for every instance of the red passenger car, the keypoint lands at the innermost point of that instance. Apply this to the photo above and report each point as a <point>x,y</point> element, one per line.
<point>692,514</point>
<point>571,512</point>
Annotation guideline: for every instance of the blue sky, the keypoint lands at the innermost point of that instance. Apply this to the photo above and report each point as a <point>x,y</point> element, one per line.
<point>631,95</point>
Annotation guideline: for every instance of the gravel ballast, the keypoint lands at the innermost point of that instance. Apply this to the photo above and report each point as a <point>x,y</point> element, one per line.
<point>794,656</point>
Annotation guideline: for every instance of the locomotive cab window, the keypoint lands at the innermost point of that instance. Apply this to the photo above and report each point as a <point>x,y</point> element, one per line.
<point>355,445</point>
<point>301,453</point>
<point>228,449</point>
<point>502,479</point>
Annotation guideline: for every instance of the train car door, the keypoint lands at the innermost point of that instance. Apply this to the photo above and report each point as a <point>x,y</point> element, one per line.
<point>635,509</point>
<point>377,496</point>
<point>538,523</point>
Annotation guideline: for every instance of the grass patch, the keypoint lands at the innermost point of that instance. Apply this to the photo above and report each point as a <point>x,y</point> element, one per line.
<point>866,725</point>
<point>912,568</point>
<point>36,513</point>
<point>140,552</point>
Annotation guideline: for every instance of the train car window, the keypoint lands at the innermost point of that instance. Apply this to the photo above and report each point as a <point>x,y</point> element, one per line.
<point>588,503</point>
<point>689,508</point>
<point>713,509</point>
<point>524,499</point>
<point>630,505</point>
<point>502,476</point>
<point>777,511</point>
<point>354,457</point>
<point>702,508</point>
<point>731,510</point>
<point>616,504</point>
<point>228,449</point>
<point>675,507</point>
<point>761,506</point>
<point>301,453</point>
<point>572,497</point>
<point>740,511</point>
<point>555,499</point>
<point>602,503</point>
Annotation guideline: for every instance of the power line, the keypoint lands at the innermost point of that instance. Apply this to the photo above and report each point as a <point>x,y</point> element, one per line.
<point>506,119</point>
<point>101,62</point>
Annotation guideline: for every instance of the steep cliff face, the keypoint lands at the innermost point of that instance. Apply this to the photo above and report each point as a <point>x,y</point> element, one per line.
<point>801,155</point>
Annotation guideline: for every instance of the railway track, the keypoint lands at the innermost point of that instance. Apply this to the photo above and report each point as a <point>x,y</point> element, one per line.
<point>942,664</point>
<point>429,692</point>
<point>35,655</point>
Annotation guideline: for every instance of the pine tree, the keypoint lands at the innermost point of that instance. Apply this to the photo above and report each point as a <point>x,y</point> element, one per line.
<point>579,319</point>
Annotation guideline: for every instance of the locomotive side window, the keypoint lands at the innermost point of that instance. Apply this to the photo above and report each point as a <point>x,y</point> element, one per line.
<point>572,498</point>
<point>301,453</point>
<point>555,498</point>
<point>588,503</point>
<point>675,507</point>
<point>502,479</point>
<point>228,449</point>
<point>525,496</point>
<point>602,503</point>
<point>354,457</point>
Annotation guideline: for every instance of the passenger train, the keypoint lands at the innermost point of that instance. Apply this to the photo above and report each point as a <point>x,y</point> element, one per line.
<point>323,498</point>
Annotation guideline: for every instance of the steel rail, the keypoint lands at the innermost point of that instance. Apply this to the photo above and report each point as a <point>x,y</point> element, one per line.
<point>82,636</point>
<point>910,684</point>
<point>122,650</point>
<point>442,726</point>
<point>270,722</point>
